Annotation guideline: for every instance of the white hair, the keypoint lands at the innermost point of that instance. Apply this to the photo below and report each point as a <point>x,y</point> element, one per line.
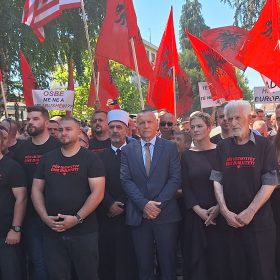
<point>240,105</point>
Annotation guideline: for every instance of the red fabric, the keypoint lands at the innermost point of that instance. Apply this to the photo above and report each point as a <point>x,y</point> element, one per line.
<point>227,41</point>
<point>114,42</point>
<point>107,89</point>
<point>161,89</point>
<point>1,76</point>
<point>28,80</point>
<point>185,95</point>
<point>219,73</point>
<point>261,50</point>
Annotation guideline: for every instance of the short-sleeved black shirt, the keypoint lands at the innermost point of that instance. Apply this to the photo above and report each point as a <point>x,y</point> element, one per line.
<point>67,187</point>
<point>11,176</point>
<point>196,169</point>
<point>97,146</point>
<point>216,139</point>
<point>29,155</point>
<point>243,169</point>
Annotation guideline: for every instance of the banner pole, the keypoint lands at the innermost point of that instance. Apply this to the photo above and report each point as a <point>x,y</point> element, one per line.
<point>4,99</point>
<point>137,72</point>
<point>89,48</point>
<point>174,90</point>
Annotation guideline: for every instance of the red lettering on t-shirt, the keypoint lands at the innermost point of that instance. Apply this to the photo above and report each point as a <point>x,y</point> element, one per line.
<point>65,169</point>
<point>240,162</point>
<point>32,159</point>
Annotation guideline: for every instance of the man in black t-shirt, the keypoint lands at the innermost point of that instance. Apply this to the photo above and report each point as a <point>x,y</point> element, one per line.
<point>244,179</point>
<point>29,155</point>
<point>67,187</point>
<point>99,125</point>
<point>12,210</point>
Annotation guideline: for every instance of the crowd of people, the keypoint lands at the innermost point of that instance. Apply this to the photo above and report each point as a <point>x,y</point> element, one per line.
<point>141,197</point>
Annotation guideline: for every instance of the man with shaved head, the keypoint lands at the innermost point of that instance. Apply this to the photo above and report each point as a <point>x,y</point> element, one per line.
<point>166,125</point>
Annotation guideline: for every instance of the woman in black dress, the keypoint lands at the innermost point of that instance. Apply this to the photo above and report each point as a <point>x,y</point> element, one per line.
<point>202,236</point>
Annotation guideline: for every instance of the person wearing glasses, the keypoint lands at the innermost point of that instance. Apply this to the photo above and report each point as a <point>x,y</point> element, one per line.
<point>166,125</point>
<point>223,123</point>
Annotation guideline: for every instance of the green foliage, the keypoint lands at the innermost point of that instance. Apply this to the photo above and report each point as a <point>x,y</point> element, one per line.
<point>65,38</point>
<point>129,94</point>
<point>248,94</point>
<point>246,11</point>
<point>191,20</point>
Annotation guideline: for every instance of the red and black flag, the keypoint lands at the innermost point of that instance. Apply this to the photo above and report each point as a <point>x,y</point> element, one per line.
<point>219,73</point>
<point>161,89</point>
<point>185,95</point>
<point>261,50</point>
<point>107,90</point>
<point>114,42</point>
<point>226,41</point>
<point>28,80</point>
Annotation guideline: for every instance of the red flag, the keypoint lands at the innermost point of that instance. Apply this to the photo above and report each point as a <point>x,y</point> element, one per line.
<point>28,80</point>
<point>261,50</point>
<point>37,13</point>
<point>226,41</point>
<point>185,97</point>
<point>1,76</point>
<point>161,94</point>
<point>219,73</point>
<point>107,90</point>
<point>114,42</point>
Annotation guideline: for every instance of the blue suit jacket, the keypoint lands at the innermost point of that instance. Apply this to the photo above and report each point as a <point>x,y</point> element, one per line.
<point>161,185</point>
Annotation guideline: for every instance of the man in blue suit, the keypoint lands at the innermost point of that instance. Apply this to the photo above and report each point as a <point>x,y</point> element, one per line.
<point>151,175</point>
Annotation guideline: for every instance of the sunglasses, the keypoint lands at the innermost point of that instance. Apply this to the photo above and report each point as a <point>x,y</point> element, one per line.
<point>166,123</point>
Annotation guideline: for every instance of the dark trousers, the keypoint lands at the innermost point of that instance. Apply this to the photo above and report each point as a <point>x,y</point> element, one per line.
<point>117,260</point>
<point>81,251</point>
<point>251,254</point>
<point>33,245</point>
<point>164,237</point>
<point>11,262</point>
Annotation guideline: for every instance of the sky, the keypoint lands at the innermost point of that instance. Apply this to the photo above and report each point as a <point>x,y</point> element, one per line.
<point>152,17</point>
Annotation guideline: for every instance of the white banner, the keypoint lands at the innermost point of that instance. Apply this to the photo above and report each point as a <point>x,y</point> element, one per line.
<point>206,100</point>
<point>262,95</point>
<point>271,86</point>
<point>54,99</point>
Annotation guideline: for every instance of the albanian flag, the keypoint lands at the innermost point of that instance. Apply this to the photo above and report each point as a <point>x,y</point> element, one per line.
<point>219,73</point>
<point>226,41</point>
<point>28,80</point>
<point>107,91</point>
<point>184,98</point>
<point>115,39</point>
<point>261,50</point>
<point>161,89</point>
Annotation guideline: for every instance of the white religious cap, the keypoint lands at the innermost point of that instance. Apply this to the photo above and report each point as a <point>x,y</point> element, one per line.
<point>118,115</point>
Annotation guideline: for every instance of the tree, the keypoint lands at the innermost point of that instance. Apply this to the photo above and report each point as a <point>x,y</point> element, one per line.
<point>192,20</point>
<point>246,11</point>
<point>65,38</point>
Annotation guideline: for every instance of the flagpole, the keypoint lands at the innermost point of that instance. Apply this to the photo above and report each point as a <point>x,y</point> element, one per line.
<point>4,99</point>
<point>174,90</point>
<point>89,48</point>
<point>137,72</point>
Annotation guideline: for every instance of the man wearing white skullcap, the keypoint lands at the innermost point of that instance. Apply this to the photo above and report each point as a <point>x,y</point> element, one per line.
<point>116,251</point>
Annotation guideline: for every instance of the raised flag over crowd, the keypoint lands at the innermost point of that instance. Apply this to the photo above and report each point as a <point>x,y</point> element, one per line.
<point>219,73</point>
<point>121,30</point>
<point>161,88</point>
<point>105,85</point>
<point>28,80</point>
<point>261,50</point>
<point>227,41</point>
<point>37,13</point>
